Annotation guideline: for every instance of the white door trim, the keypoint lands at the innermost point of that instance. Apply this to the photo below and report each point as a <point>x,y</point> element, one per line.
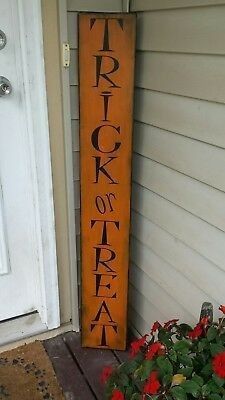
<point>62,6</point>
<point>31,39</point>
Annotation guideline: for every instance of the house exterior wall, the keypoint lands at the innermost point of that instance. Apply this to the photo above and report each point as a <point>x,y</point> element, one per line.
<point>178,208</point>
<point>178,213</point>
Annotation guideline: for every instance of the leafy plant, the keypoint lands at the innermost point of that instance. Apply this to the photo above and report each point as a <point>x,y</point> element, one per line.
<point>173,362</point>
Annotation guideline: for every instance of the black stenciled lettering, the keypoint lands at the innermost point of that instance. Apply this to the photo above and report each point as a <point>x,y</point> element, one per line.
<point>104,205</point>
<point>101,168</point>
<point>105,42</point>
<point>104,235</point>
<point>104,256</point>
<point>103,311</point>
<point>106,96</point>
<point>103,342</point>
<point>95,138</point>
<point>104,74</point>
<point>107,285</point>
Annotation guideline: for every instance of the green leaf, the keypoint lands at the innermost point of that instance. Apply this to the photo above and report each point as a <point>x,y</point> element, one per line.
<point>182,346</point>
<point>124,380</point>
<point>164,365</point>
<point>191,387</point>
<point>205,390</point>
<point>187,371</point>
<point>198,379</point>
<point>178,393</point>
<point>216,348</point>
<point>172,355</point>
<point>211,333</point>
<point>131,366</point>
<point>203,344</point>
<point>214,396</point>
<point>165,337</point>
<point>207,370</point>
<point>136,396</point>
<point>213,387</point>
<point>219,381</point>
<point>184,328</point>
<point>185,360</point>
<point>167,379</point>
<point>147,367</point>
<point>129,392</point>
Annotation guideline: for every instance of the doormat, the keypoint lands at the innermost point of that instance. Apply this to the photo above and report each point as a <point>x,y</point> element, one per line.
<point>26,373</point>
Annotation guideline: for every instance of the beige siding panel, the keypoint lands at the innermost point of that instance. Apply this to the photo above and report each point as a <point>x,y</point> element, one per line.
<point>73,67</point>
<point>74,102</point>
<point>76,165</point>
<point>75,134</point>
<point>148,5</point>
<point>198,119</point>
<point>201,272</point>
<point>193,75</point>
<point>137,321</point>
<point>193,158</point>
<point>148,311</point>
<point>194,232</point>
<point>156,281</point>
<point>77,195</point>
<point>189,30</point>
<point>195,197</point>
<point>94,5</point>
<point>72,30</point>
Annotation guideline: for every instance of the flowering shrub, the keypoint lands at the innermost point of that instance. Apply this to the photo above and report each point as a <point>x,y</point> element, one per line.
<point>172,362</point>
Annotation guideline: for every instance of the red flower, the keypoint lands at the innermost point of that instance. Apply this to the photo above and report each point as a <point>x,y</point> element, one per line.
<point>204,321</point>
<point>154,349</point>
<point>222,308</point>
<point>106,373</point>
<point>218,364</point>
<point>196,332</point>
<point>152,385</point>
<point>169,324</point>
<point>117,395</point>
<point>136,345</point>
<point>155,327</point>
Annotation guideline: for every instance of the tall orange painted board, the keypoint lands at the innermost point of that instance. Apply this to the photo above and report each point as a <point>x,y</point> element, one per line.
<point>106,78</point>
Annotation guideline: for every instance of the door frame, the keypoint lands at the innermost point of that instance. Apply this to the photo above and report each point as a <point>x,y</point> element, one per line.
<point>31,41</point>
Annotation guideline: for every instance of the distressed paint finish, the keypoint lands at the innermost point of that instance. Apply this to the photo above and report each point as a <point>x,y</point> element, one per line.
<point>106,71</point>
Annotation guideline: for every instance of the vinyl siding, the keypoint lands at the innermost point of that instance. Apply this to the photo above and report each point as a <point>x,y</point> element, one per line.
<point>178,204</point>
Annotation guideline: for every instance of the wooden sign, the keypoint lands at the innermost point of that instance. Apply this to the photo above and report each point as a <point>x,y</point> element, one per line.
<point>106,72</point>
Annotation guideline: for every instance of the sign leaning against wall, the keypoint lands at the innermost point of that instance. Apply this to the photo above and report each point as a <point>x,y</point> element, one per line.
<point>106,73</point>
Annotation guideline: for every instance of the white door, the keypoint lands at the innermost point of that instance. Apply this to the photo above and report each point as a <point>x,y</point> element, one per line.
<point>23,275</point>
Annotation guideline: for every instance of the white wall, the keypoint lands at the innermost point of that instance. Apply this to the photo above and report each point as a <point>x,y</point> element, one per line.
<point>178,217</point>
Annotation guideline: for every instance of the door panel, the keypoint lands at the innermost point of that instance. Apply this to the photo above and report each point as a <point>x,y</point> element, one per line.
<point>18,244</point>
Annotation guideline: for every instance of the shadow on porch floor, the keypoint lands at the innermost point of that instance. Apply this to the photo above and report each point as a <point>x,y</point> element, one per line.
<point>78,369</point>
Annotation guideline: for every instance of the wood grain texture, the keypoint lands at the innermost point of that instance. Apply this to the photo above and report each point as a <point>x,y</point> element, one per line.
<point>69,375</point>
<point>105,154</point>
<point>91,361</point>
